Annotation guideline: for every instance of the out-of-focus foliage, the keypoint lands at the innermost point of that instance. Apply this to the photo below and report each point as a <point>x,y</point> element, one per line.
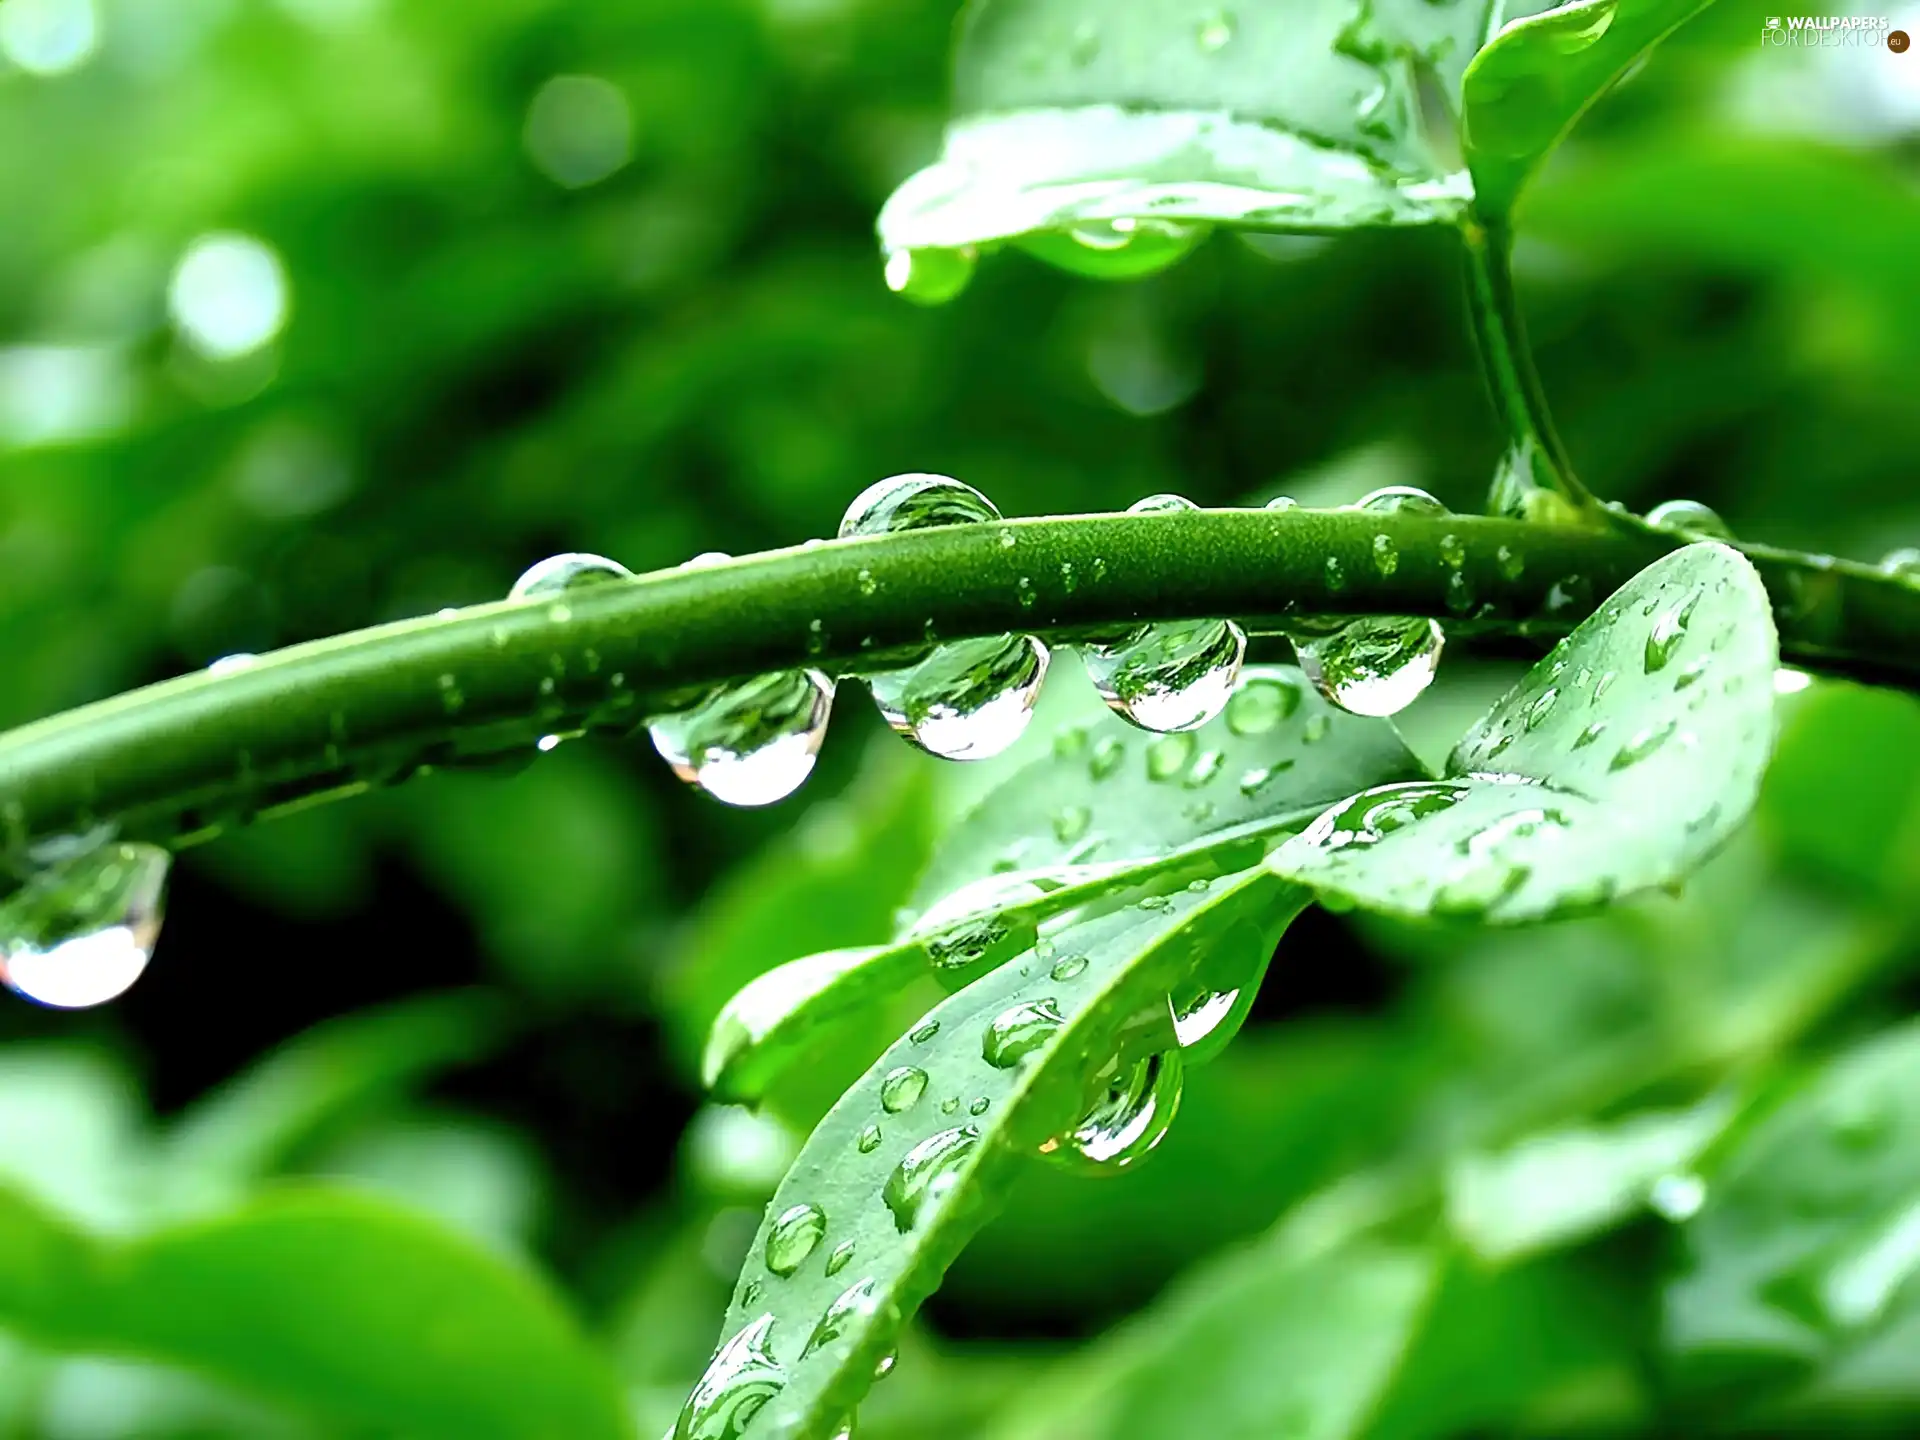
<point>319,312</point>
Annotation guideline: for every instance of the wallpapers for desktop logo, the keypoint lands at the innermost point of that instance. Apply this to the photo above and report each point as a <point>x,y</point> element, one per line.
<point>1834,30</point>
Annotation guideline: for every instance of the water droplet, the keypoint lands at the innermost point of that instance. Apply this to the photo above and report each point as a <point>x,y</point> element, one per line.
<point>930,276</point>
<point>1541,708</point>
<point>793,1238</point>
<point>1691,672</point>
<point>925,1032</point>
<point>1261,703</point>
<point>1153,902</point>
<point>1068,967</point>
<point>970,699</point>
<point>927,1173</point>
<point>558,574</point>
<point>1592,733</point>
<point>1664,638</point>
<point>1688,517</point>
<point>868,1140</point>
<point>1400,500</point>
<point>742,1377</point>
<point>865,582</point>
<point>1336,574</point>
<point>884,1366</point>
<point>1130,1121</point>
<point>1511,563</point>
<point>748,744</point>
<point>1677,1197</point>
<point>1215,31</point>
<point>1070,823</point>
<point>1253,781</point>
<point>1316,729</point>
<point>1069,741</point>
<point>231,664</point>
<point>1018,1031</point>
<point>1371,816</point>
<point>980,1106</point>
<point>1084,46</point>
<point>1453,552</point>
<point>1902,564</point>
<point>1168,757</point>
<point>1283,503</point>
<point>81,930</point>
<point>750,1294</point>
<point>1375,666</point>
<point>1206,765</point>
<point>1386,555</point>
<point>950,1105</point>
<point>1642,744</point>
<point>1108,752</point>
<point>1201,1016</point>
<point>853,1303</point>
<point>842,1253</point>
<point>902,1088</point>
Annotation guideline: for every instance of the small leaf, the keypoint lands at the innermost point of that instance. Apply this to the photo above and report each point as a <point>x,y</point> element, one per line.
<point>1116,127</point>
<point>1108,809</point>
<point>1526,89</point>
<point>1619,763</point>
<point>1806,1248</point>
<point>903,1173</point>
<point>344,1305</point>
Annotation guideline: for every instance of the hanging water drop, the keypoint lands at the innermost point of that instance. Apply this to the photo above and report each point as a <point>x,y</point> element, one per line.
<point>930,276</point>
<point>749,744</point>
<point>927,1173</point>
<point>1688,517</point>
<point>81,930</point>
<point>1376,666</point>
<point>1199,1017</point>
<point>1018,1031</point>
<point>902,1088</point>
<point>1128,1122</point>
<point>557,574</point>
<point>742,1377</point>
<point>1176,675</point>
<point>970,699</point>
<point>793,1238</point>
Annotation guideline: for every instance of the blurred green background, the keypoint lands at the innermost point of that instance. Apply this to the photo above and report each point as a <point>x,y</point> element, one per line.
<point>318,313</point>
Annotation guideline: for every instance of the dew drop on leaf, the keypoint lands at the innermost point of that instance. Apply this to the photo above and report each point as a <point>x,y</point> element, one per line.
<point>1400,500</point>
<point>1642,744</point>
<point>884,1366</point>
<point>1018,1031</point>
<point>742,1377</point>
<point>1260,703</point>
<point>868,1140</point>
<point>1376,666</point>
<point>1166,758</point>
<point>1215,31</point>
<point>1068,967</point>
<point>557,574</point>
<point>1592,733</point>
<point>1205,766</point>
<point>849,1305</point>
<point>924,1033</point>
<point>1369,817</point>
<point>1664,638</point>
<point>793,1237</point>
<point>1070,823</point>
<point>81,929</point>
<point>749,744</point>
<point>838,1260</point>
<point>1108,752</point>
<point>1386,555</point>
<point>927,1172</point>
<point>902,1088</point>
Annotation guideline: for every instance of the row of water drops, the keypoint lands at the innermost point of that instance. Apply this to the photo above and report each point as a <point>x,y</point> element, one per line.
<point>1133,1114</point>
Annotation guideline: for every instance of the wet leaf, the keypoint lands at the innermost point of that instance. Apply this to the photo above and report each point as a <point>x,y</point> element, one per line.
<point>1619,763</point>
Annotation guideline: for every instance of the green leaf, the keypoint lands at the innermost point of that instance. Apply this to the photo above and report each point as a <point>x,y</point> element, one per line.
<point>336,1302</point>
<point>1262,1343</point>
<point>1805,1251</point>
<point>1565,1185</point>
<point>328,1076</point>
<point>1109,808</point>
<point>1071,115</point>
<point>1534,79</point>
<point>1619,763</point>
<point>801,1348</point>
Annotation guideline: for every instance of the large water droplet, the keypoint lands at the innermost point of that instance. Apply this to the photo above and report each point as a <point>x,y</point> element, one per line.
<point>793,1237</point>
<point>1668,630</point>
<point>1375,666</point>
<point>81,930</point>
<point>1171,676</point>
<point>574,570</point>
<point>742,1377</point>
<point>749,744</point>
<point>1688,517</point>
<point>930,276</point>
<point>851,1304</point>
<point>1132,1118</point>
<point>970,699</point>
<point>1199,1017</point>
<point>1400,500</point>
<point>1902,564</point>
<point>1019,1030</point>
<point>1371,816</point>
<point>928,1172</point>
<point>902,1088</point>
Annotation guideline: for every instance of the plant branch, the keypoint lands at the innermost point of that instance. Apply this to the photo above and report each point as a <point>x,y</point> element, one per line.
<point>1505,356</point>
<point>180,760</point>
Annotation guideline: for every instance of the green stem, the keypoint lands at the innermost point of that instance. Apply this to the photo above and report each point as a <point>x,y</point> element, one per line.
<point>178,761</point>
<point>1508,362</point>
